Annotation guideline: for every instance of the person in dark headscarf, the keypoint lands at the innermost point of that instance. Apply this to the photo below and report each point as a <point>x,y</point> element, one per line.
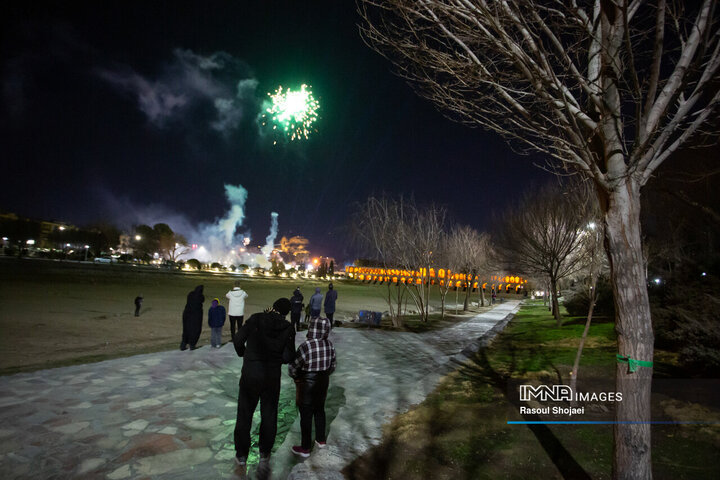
<point>329,305</point>
<point>192,318</point>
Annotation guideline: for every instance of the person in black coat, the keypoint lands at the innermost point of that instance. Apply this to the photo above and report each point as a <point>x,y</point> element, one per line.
<point>265,341</point>
<point>138,304</point>
<point>192,318</point>
<point>296,307</point>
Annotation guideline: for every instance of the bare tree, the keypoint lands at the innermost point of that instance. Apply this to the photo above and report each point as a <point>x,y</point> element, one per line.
<point>376,226</point>
<point>543,235</point>
<point>421,233</point>
<point>401,235</point>
<point>594,265</point>
<point>469,254</point>
<point>178,249</point>
<point>607,88</point>
<point>446,258</point>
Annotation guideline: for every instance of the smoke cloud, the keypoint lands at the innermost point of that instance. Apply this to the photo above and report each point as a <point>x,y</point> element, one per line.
<point>223,240</point>
<point>228,225</point>
<point>270,239</point>
<point>192,83</point>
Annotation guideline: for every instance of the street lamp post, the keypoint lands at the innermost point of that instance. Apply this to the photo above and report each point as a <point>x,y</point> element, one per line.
<point>86,251</point>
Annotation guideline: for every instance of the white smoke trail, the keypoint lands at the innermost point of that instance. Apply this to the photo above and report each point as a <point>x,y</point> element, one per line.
<point>236,196</point>
<point>270,239</point>
<point>220,241</point>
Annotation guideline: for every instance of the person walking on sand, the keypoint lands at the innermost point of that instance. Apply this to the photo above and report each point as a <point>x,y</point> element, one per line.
<point>192,319</point>
<point>236,307</point>
<point>216,320</point>
<point>265,341</point>
<point>314,362</point>
<point>296,306</point>
<point>316,303</point>
<point>329,305</point>
<point>138,304</point>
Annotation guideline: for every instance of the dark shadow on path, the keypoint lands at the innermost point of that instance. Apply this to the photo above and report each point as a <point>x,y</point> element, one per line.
<point>479,370</point>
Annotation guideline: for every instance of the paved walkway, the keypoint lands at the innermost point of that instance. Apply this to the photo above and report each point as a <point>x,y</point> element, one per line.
<point>171,415</point>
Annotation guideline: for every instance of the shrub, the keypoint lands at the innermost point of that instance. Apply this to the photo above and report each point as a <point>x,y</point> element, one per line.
<point>685,321</point>
<point>578,303</point>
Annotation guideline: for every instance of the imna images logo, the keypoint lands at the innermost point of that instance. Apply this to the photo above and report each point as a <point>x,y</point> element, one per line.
<point>543,393</point>
<point>560,393</point>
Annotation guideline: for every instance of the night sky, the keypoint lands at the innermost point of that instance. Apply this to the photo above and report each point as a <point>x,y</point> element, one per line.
<point>136,112</point>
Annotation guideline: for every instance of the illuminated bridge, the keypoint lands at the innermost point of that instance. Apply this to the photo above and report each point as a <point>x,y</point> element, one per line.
<point>432,276</point>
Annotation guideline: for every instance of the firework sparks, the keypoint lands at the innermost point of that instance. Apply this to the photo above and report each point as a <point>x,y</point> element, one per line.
<point>293,112</point>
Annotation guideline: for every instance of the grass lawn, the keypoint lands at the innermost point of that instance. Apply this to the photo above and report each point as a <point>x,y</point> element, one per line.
<point>460,431</point>
<point>62,313</point>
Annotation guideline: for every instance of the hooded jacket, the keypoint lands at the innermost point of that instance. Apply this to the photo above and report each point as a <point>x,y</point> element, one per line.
<point>296,302</point>
<point>236,306</point>
<point>317,353</point>
<point>266,337</point>
<point>316,300</point>
<point>216,316</point>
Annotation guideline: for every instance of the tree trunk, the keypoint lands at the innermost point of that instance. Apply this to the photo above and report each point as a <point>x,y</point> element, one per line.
<point>633,325</point>
<point>400,311</point>
<point>442,305</point>
<point>466,304</point>
<point>482,294</point>
<point>555,306</point>
<point>576,365</point>
<point>394,316</point>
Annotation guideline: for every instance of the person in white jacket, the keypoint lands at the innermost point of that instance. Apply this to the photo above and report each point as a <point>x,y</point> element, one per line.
<point>236,307</point>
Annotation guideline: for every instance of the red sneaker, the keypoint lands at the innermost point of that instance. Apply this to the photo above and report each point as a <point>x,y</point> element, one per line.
<point>320,444</point>
<point>298,450</point>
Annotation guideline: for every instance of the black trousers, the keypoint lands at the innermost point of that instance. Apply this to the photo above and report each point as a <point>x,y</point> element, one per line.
<point>295,320</point>
<point>259,381</point>
<point>311,391</point>
<point>330,316</point>
<point>137,310</point>
<point>233,319</point>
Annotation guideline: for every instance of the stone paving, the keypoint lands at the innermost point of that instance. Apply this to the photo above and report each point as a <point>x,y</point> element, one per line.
<point>172,414</point>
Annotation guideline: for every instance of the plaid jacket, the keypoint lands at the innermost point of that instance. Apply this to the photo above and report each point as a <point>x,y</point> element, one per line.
<point>317,353</point>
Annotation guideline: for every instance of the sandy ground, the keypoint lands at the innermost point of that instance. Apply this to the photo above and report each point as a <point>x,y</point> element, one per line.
<point>60,313</point>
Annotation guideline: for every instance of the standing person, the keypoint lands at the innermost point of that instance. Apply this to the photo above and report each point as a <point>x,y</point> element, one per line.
<point>236,307</point>
<point>493,296</point>
<point>314,362</point>
<point>192,318</point>
<point>296,306</point>
<point>216,320</point>
<point>330,299</point>
<point>316,303</point>
<point>138,304</point>
<point>265,342</point>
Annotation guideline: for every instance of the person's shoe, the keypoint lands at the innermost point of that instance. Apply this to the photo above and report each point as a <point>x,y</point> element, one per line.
<point>240,461</point>
<point>320,444</point>
<point>263,471</point>
<point>299,451</point>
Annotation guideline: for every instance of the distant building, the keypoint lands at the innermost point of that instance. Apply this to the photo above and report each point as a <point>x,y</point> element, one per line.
<point>43,233</point>
<point>296,248</point>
